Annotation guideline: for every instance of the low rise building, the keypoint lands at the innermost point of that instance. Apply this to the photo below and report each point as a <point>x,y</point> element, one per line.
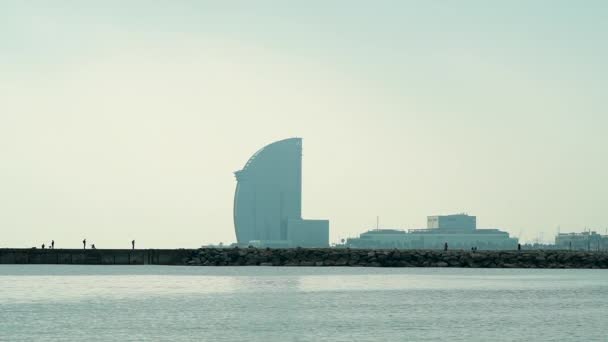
<point>585,241</point>
<point>457,221</point>
<point>458,231</point>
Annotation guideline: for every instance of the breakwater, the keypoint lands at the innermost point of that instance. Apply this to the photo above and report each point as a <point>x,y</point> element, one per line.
<point>397,258</point>
<point>309,257</point>
<point>95,256</point>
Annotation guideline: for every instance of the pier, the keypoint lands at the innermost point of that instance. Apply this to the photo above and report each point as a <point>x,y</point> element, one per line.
<point>94,256</point>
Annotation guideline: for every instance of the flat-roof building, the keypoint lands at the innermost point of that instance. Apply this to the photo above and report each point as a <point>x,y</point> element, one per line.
<point>459,231</point>
<point>585,241</point>
<point>456,221</point>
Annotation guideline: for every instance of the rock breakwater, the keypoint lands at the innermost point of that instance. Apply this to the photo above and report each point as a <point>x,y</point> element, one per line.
<point>395,258</point>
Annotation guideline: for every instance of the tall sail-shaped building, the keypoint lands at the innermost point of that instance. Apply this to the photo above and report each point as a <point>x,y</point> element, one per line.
<point>268,200</point>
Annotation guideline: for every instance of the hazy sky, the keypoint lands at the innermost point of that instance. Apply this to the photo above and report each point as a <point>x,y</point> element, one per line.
<point>125,120</point>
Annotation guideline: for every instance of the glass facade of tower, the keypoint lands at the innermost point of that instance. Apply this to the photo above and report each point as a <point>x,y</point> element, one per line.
<point>268,200</point>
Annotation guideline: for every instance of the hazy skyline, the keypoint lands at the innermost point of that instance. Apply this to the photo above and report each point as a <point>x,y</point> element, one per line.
<point>126,120</point>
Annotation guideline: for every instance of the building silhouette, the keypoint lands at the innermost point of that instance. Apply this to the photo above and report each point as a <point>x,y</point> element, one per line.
<point>456,221</point>
<point>268,200</point>
<point>585,241</point>
<point>459,231</point>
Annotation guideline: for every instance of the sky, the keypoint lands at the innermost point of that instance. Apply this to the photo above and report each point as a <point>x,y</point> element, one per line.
<point>124,120</point>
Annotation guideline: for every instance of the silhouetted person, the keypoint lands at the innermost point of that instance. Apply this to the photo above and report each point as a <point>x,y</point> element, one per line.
<point>133,244</point>
<point>445,246</point>
<point>93,246</point>
<point>84,244</point>
<point>42,246</point>
<point>52,244</point>
<point>519,246</point>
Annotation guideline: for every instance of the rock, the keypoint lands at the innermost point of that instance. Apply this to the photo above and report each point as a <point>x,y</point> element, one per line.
<point>251,262</point>
<point>341,262</point>
<point>454,263</point>
<point>394,258</point>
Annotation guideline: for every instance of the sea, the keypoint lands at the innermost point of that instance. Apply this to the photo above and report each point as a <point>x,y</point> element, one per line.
<point>177,303</point>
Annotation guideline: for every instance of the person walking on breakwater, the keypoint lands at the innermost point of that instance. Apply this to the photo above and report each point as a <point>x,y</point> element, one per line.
<point>84,244</point>
<point>42,246</point>
<point>133,244</point>
<point>52,244</point>
<point>445,246</point>
<point>519,247</point>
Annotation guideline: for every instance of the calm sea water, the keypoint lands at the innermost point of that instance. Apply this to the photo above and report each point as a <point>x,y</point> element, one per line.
<point>138,303</point>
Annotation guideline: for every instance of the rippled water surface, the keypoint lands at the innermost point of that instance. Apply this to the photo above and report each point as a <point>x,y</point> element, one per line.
<point>136,303</point>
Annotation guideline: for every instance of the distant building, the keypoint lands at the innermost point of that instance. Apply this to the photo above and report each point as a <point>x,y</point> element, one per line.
<point>459,231</point>
<point>586,241</point>
<point>268,200</point>
<point>458,221</point>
